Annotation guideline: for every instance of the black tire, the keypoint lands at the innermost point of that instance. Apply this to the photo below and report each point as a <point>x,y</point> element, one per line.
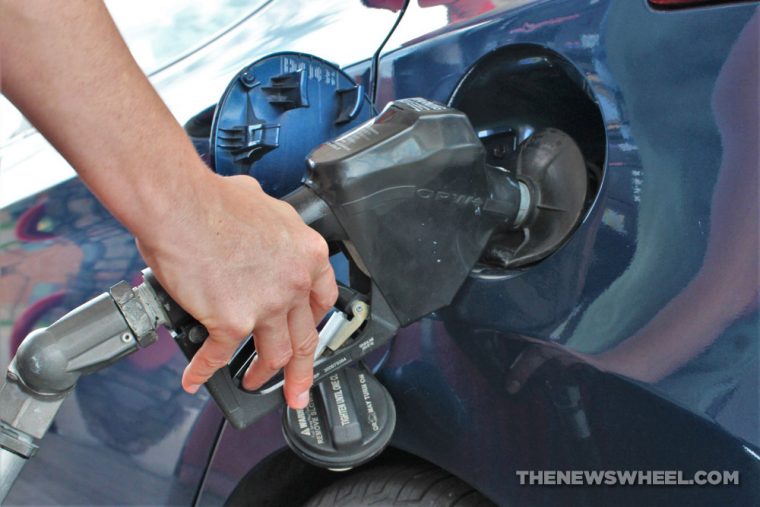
<point>418,485</point>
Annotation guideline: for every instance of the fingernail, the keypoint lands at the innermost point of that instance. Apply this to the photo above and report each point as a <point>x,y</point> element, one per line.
<point>302,399</point>
<point>193,388</point>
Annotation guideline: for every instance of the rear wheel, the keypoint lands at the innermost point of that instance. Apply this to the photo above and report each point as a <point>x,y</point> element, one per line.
<point>416,485</point>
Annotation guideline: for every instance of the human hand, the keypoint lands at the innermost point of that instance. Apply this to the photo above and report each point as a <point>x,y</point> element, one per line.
<point>234,258</point>
<point>240,261</point>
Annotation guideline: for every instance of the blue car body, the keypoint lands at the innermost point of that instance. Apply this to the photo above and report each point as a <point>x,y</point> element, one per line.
<point>632,347</point>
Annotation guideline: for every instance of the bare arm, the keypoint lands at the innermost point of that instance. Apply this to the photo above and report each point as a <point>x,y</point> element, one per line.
<point>233,257</point>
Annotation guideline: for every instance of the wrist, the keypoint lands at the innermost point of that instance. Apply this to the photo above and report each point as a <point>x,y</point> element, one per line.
<point>174,205</point>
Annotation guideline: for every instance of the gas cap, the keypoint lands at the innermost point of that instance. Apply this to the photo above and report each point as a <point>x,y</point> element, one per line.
<point>276,110</point>
<point>349,420</point>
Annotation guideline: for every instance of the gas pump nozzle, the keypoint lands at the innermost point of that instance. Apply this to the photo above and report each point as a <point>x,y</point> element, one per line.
<point>413,203</point>
<point>407,194</point>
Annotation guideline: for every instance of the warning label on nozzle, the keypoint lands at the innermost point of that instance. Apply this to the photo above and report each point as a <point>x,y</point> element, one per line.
<point>420,104</point>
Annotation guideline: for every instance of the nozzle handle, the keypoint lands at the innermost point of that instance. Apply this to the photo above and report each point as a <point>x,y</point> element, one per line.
<point>240,406</point>
<point>411,183</point>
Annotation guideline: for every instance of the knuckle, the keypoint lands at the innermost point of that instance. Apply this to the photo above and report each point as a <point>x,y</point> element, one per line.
<point>281,307</point>
<point>325,299</point>
<point>278,362</point>
<point>268,309</point>
<point>237,329</point>
<point>300,380</point>
<point>211,363</point>
<point>308,345</point>
<point>318,249</point>
<point>232,330</point>
<point>251,182</point>
<point>287,208</point>
<point>332,296</point>
<point>301,281</point>
<point>238,332</point>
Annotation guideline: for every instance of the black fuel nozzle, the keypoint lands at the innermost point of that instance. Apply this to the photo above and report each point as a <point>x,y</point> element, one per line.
<point>410,196</point>
<point>416,201</point>
<point>413,202</point>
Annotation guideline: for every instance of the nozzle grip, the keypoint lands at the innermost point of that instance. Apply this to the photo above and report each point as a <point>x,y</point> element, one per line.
<point>239,406</point>
<point>315,212</point>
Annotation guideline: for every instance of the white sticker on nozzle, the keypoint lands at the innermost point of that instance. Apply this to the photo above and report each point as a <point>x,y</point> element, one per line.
<point>420,104</point>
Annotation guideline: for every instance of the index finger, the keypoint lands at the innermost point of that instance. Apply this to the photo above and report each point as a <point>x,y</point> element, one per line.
<point>299,370</point>
<point>214,354</point>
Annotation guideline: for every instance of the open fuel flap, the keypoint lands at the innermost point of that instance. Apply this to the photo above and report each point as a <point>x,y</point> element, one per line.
<point>276,110</point>
<point>412,197</point>
<point>273,113</point>
<point>535,115</point>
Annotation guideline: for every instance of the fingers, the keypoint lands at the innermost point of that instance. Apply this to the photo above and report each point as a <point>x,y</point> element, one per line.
<point>285,340</point>
<point>324,292</point>
<point>273,351</point>
<point>299,371</point>
<point>213,354</point>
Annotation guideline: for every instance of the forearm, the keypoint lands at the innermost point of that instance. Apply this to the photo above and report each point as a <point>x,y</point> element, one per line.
<point>67,68</point>
<point>233,257</point>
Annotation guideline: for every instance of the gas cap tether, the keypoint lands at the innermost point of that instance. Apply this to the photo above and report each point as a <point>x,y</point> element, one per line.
<point>349,420</point>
